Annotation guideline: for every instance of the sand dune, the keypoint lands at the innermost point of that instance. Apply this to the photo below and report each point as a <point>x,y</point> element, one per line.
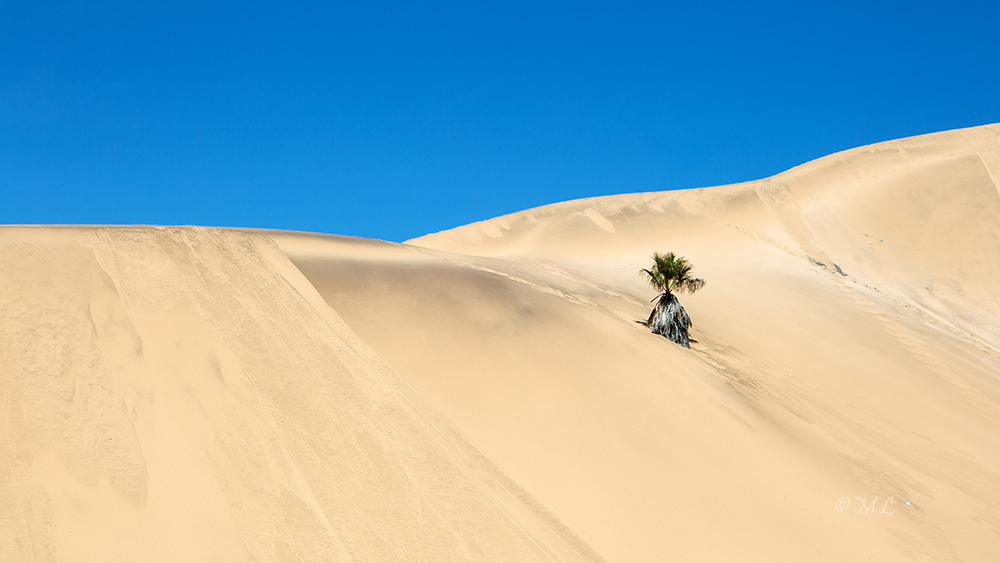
<point>185,395</point>
<point>484,394</point>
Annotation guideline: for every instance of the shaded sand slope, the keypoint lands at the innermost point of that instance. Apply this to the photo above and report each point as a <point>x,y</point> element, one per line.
<point>847,347</point>
<point>184,394</point>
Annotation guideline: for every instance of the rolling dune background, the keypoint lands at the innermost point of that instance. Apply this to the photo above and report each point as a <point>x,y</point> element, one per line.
<point>485,394</point>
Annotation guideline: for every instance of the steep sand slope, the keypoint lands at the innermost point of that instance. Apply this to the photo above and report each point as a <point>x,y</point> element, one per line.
<point>184,394</point>
<point>847,347</point>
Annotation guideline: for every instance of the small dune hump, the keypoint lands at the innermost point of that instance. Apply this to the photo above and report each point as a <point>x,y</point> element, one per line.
<point>599,220</point>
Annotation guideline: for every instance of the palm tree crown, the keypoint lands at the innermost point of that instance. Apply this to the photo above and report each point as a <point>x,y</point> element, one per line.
<point>671,274</point>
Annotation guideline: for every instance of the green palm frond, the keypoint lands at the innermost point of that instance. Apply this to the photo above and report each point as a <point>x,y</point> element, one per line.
<point>671,273</point>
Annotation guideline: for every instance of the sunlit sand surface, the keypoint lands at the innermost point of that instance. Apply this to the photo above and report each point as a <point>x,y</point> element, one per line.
<point>485,394</point>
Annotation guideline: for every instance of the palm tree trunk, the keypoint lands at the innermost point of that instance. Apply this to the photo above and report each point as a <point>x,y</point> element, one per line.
<point>670,320</point>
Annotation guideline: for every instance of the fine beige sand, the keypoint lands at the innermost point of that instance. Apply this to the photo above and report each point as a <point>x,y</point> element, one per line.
<point>484,394</point>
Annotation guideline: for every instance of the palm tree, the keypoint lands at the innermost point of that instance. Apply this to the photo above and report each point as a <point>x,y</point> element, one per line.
<point>670,274</point>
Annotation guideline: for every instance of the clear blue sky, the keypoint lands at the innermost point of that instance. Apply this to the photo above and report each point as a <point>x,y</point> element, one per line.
<point>395,119</point>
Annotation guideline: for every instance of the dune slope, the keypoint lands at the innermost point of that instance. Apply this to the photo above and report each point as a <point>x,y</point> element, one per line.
<point>184,394</point>
<point>847,349</point>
